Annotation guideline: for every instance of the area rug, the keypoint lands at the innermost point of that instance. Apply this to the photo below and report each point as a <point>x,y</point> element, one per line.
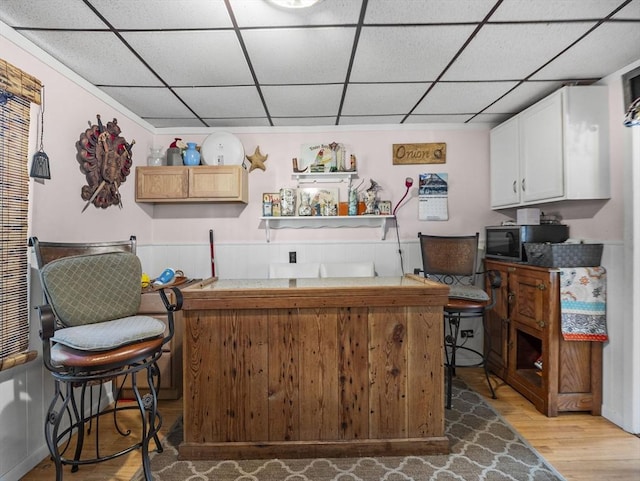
<point>483,447</point>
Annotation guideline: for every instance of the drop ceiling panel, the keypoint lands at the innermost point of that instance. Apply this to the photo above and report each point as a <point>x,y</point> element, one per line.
<point>159,15</point>
<point>603,44</point>
<point>300,56</point>
<point>438,119</point>
<point>522,97</point>
<point>427,11</point>
<point>149,102</point>
<point>110,64</point>
<point>259,13</point>
<point>219,59</point>
<point>219,102</point>
<point>238,122</point>
<point>406,54</point>
<point>630,11</point>
<point>372,99</point>
<point>303,100</point>
<point>462,97</point>
<point>59,14</point>
<point>304,121</point>
<point>520,10</point>
<point>370,119</point>
<point>510,52</point>
<point>171,122</point>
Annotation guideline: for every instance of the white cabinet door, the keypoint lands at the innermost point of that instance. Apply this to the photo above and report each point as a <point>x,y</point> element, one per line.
<point>541,154</point>
<point>505,160</point>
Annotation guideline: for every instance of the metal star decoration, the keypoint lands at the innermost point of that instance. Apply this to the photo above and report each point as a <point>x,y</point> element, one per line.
<point>257,160</point>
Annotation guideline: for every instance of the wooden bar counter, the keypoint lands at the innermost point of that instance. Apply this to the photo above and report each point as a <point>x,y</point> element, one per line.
<point>313,368</point>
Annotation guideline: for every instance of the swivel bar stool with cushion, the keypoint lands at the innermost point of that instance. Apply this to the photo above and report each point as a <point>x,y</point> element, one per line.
<point>453,260</point>
<point>91,335</point>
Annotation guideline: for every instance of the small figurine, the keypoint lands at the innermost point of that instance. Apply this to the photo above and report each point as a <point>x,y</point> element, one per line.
<point>305,206</point>
<point>370,199</point>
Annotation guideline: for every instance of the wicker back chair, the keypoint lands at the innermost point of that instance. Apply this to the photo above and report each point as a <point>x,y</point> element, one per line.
<point>91,335</point>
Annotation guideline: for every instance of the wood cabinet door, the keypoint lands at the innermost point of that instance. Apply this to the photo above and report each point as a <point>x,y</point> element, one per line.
<point>505,164</point>
<point>541,150</point>
<point>497,325</point>
<point>218,182</point>
<point>161,183</point>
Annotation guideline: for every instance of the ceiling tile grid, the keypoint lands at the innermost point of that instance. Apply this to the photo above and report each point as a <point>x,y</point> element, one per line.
<point>246,63</point>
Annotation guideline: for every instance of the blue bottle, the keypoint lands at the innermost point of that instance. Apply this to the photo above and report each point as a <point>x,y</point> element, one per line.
<point>191,156</point>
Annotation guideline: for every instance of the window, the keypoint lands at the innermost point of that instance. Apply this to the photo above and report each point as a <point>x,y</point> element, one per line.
<point>17,91</point>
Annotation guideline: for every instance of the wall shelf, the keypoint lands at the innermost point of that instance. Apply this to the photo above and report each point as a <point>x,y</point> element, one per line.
<point>323,177</point>
<point>317,222</point>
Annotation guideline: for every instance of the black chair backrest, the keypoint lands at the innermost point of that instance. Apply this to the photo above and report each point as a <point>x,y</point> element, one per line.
<point>450,259</point>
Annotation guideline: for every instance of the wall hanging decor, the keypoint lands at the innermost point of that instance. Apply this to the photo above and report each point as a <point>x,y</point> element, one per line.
<point>257,160</point>
<point>40,162</point>
<point>433,192</point>
<point>430,153</point>
<point>105,159</point>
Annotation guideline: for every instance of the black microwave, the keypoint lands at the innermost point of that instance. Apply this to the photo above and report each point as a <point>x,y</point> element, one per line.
<point>507,242</point>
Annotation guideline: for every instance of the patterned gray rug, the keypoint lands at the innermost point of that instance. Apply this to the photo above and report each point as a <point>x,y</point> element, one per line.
<point>483,447</point>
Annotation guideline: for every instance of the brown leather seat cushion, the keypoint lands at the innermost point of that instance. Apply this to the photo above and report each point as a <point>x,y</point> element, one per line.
<point>66,356</point>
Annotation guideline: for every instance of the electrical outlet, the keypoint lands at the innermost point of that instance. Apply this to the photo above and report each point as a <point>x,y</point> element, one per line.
<point>466,333</point>
<point>292,257</point>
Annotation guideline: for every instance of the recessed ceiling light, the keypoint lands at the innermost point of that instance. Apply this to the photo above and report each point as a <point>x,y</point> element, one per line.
<point>294,3</point>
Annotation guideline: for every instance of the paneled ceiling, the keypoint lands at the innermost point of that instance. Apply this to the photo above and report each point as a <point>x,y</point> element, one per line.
<point>240,63</point>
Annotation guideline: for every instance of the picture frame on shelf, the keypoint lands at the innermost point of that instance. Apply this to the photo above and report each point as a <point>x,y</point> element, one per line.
<point>271,204</point>
<point>323,158</point>
<point>384,207</point>
<point>318,201</point>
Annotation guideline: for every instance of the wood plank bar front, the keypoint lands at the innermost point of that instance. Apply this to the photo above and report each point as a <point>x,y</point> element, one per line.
<point>313,368</point>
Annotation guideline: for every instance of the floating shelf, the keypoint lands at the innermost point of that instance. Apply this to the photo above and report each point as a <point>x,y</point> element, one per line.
<point>318,222</point>
<point>323,177</point>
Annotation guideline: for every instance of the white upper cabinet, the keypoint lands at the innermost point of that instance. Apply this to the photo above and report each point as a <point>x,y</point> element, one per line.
<point>557,149</point>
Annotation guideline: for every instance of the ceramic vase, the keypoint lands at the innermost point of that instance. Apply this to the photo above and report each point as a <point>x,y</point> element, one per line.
<point>191,156</point>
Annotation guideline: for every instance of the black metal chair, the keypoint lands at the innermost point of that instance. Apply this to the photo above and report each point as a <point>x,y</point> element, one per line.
<point>92,335</point>
<point>453,260</point>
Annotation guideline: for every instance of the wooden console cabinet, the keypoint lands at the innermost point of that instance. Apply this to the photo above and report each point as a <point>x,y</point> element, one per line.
<point>215,183</point>
<point>524,327</point>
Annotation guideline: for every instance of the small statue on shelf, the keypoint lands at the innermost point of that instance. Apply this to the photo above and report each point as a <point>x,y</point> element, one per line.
<point>370,199</point>
<point>305,206</point>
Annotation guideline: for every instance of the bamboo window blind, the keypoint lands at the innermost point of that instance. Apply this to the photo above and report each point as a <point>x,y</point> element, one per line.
<point>17,91</point>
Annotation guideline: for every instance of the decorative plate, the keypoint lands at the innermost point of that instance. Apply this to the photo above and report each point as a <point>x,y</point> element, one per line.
<point>222,148</point>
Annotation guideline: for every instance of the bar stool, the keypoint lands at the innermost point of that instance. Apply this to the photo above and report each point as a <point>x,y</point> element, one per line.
<point>453,260</point>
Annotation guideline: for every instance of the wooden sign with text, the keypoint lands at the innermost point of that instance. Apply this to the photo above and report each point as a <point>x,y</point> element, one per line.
<point>432,153</point>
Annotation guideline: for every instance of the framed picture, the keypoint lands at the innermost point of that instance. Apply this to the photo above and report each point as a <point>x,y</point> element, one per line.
<point>318,201</point>
<point>324,157</point>
<point>271,204</point>
<point>384,207</point>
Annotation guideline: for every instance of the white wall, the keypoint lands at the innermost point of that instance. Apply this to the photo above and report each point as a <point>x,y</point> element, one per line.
<point>177,236</point>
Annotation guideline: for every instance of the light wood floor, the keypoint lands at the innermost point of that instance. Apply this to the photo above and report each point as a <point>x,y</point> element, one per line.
<point>580,446</point>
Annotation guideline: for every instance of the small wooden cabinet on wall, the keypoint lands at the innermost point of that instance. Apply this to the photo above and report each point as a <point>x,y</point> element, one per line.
<point>216,183</point>
<point>523,329</point>
<point>170,363</point>
<point>557,149</point>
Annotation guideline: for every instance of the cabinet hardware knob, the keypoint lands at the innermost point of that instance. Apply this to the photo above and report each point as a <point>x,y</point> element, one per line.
<point>541,324</point>
<point>515,190</point>
<point>511,297</point>
<point>523,186</point>
<point>541,287</point>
